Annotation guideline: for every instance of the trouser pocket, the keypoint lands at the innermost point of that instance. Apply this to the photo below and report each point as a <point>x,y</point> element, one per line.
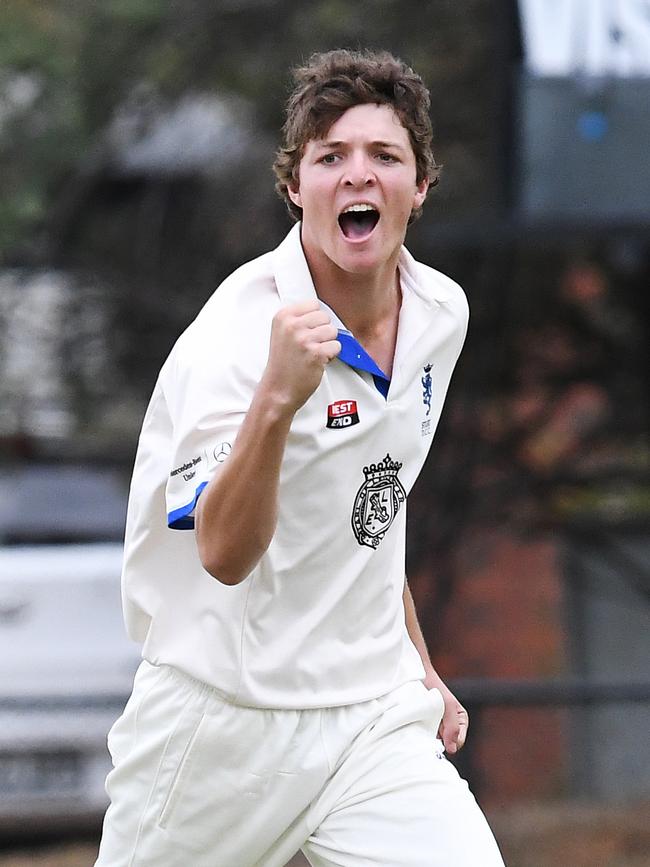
<point>177,762</point>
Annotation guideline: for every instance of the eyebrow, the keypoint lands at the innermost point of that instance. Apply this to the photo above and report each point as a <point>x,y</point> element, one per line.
<point>377,144</point>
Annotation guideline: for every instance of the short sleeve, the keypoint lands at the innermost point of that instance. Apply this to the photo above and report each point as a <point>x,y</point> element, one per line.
<point>207,394</point>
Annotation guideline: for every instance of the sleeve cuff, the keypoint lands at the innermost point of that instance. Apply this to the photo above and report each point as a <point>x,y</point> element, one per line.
<point>183,517</point>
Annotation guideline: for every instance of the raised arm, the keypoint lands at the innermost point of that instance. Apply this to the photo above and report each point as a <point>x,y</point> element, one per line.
<point>455,721</point>
<point>237,512</point>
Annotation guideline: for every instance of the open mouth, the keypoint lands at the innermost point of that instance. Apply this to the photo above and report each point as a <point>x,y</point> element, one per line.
<point>358,221</point>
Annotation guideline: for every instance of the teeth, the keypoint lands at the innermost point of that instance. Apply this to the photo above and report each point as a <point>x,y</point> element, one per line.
<point>356,208</point>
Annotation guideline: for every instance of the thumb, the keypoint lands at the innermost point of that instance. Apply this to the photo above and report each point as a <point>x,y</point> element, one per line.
<point>454,731</point>
<point>450,736</point>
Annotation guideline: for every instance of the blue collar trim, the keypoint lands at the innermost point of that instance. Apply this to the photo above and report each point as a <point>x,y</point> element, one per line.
<point>353,354</point>
<point>382,385</point>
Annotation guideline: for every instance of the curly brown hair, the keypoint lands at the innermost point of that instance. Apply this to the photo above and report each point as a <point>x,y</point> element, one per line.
<point>333,82</point>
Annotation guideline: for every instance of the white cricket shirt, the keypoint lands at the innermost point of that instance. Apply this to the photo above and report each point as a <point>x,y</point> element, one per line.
<point>319,621</point>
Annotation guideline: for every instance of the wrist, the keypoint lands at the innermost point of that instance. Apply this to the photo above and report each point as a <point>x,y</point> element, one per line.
<point>432,679</point>
<point>274,404</point>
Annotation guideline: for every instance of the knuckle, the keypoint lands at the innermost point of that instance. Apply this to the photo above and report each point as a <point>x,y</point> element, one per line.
<point>281,317</point>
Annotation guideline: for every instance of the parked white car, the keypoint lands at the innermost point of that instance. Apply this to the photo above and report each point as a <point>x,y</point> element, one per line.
<point>66,663</point>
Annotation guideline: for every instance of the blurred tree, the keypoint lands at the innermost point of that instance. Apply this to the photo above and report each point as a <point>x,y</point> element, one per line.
<point>84,60</point>
<point>41,120</point>
<point>165,235</point>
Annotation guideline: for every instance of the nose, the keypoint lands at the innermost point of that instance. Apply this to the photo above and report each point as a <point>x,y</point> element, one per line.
<point>359,171</point>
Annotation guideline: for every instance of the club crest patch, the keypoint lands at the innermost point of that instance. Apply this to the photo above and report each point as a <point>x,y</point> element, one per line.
<point>377,502</point>
<point>343,413</point>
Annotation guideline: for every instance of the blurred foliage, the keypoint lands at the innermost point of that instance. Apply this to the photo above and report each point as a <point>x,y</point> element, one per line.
<point>548,414</point>
<point>81,59</point>
<point>41,122</point>
<point>159,241</point>
<point>68,69</point>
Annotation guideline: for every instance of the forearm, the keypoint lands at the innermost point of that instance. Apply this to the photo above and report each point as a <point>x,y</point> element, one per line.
<point>415,632</point>
<point>432,678</point>
<point>237,512</point>
<point>455,720</point>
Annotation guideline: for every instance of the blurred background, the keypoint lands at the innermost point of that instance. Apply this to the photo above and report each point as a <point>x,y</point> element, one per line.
<point>136,139</point>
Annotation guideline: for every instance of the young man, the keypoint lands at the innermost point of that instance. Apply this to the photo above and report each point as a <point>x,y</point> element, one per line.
<point>286,699</point>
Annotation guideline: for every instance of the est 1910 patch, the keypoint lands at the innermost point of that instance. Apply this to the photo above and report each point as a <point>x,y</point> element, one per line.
<point>343,413</point>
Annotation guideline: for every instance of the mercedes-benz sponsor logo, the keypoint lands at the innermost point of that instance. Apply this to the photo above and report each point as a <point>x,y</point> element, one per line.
<point>221,452</point>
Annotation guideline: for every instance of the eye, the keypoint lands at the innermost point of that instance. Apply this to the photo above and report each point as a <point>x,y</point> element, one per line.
<point>329,159</point>
<point>386,157</point>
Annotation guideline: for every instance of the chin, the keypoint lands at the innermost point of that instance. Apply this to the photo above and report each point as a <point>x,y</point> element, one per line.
<point>375,256</point>
<point>365,264</point>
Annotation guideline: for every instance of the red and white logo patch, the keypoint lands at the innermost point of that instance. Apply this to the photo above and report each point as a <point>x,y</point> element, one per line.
<point>343,413</point>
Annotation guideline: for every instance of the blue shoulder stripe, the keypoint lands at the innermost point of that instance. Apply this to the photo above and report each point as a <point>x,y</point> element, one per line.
<point>182,519</point>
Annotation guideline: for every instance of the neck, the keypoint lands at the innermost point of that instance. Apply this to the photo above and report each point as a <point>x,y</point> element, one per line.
<point>364,302</point>
<point>367,303</point>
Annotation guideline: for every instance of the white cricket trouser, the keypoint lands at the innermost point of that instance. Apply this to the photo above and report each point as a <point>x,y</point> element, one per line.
<point>200,782</point>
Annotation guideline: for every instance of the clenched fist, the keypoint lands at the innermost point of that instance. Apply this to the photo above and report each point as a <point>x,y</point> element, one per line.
<point>303,341</point>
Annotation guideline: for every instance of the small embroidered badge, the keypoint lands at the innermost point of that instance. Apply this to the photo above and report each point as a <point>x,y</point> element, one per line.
<point>427,387</point>
<point>343,413</point>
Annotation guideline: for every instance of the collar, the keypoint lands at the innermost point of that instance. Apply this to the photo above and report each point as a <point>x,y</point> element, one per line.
<point>294,282</point>
<point>290,270</point>
<point>424,282</point>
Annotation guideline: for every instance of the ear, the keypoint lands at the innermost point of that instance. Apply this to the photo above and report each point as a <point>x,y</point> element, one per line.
<point>293,191</point>
<point>420,193</point>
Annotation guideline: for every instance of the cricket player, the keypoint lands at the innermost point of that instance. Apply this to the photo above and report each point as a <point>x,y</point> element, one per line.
<point>286,699</point>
